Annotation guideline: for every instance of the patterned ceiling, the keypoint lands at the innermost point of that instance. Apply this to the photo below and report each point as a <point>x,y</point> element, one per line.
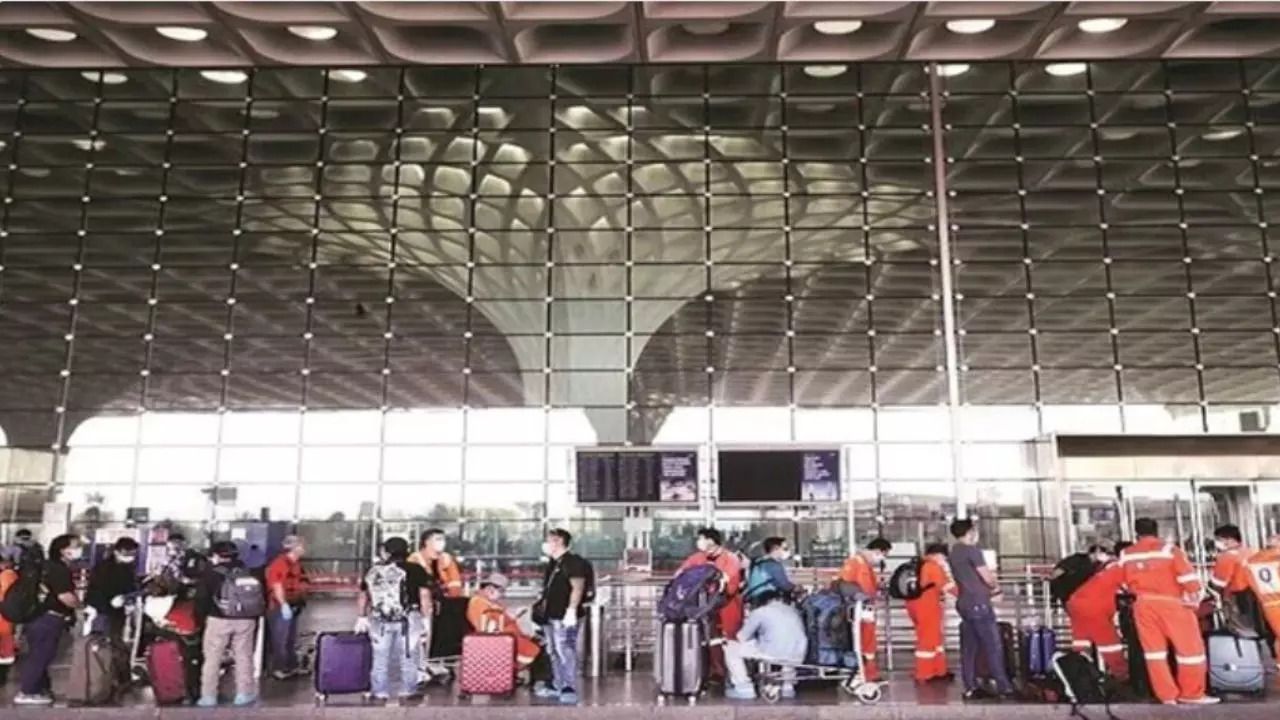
<point>117,34</point>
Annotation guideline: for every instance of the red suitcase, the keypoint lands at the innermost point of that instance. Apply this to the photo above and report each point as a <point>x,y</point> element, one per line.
<point>166,666</point>
<point>488,665</point>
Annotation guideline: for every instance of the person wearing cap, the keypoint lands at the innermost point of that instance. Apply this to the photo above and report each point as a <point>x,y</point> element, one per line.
<point>487,613</point>
<point>286,596</point>
<point>221,633</point>
<point>394,605</point>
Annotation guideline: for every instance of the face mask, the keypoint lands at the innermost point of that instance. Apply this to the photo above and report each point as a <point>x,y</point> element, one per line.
<point>1220,545</point>
<point>125,559</point>
<point>438,545</point>
<point>546,549</point>
<point>784,555</point>
<point>702,544</point>
<point>75,553</point>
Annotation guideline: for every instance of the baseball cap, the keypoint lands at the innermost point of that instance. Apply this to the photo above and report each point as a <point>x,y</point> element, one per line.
<point>497,580</point>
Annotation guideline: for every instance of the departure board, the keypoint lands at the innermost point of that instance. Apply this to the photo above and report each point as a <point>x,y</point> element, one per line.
<point>636,477</point>
<point>787,476</point>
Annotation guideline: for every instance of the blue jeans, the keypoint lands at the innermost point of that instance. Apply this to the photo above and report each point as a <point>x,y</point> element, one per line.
<point>562,649</point>
<point>395,639</point>
<point>43,635</point>
<point>980,633</point>
<point>284,641</point>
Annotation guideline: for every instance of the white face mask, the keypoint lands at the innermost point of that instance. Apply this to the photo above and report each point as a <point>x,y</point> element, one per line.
<point>438,545</point>
<point>546,548</point>
<point>784,555</point>
<point>75,553</point>
<point>702,544</point>
<point>1220,545</point>
<point>125,559</point>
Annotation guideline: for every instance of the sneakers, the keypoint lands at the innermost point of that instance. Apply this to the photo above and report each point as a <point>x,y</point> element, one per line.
<point>207,702</point>
<point>282,675</point>
<point>244,700</point>
<point>568,697</point>
<point>740,693</point>
<point>545,691</point>
<point>1202,700</point>
<point>32,700</point>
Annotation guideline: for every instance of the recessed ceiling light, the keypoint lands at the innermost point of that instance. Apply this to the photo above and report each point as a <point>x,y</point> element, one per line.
<point>1117,133</point>
<point>51,34</point>
<point>1220,134</point>
<point>837,27</point>
<point>972,26</point>
<point>182,33</point>
<point>952,69</point>
<point>348,75</point>
<point>87,145</point>
<point>1066,69</point>
<point>314,32</point>
<point>1101,25</point>
<point>706,27</point>
<point>107,78</point>
<point>263,113</point>
<point>825,71</point>
<point>226,77</point>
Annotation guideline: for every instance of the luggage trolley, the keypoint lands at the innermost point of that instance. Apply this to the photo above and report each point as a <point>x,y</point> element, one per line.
<point>772,674</point>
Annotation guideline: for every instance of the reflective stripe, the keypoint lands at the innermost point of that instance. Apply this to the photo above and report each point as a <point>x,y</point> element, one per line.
<point>1189,660</point>
<point>6,661</point>
<point>1188,578</point>
<point>869,656</point>
<point>926,654</point>
<point>1216,582</point>
<point>868,616</point>
<point>1080,644</point>
<point>524,659</point>
<point>1110,648</point>
<point>942,650</point>
<point>455,583</point>
<point>1155,655</point>
<point>1126,557</point>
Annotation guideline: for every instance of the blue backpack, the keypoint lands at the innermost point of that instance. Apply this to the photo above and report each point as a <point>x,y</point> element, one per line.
<point>829,627</point>
<point>760,585</point>
<point>692,595</point>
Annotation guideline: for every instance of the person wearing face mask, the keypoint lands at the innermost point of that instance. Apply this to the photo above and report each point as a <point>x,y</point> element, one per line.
<point>44,634</point>
<point>925,612</point>
<point>863,571</point>
<point>286,596</point>
<point>111,582</point>
<point>1228,577</point>
<point>440,565</point>
<point>977,592</point>
<point>1091,609</point>
<point>1263,570</point>
<point>710,549</point>
<point>487,612</point>
<point>767,578</point>
<point>568,584</point>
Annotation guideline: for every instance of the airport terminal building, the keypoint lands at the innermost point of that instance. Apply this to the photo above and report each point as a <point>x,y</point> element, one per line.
<point>371,267</point>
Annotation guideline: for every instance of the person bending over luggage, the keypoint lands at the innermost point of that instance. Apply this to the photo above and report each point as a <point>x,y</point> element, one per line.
<point>487,613</point>
<point>767,578</point>
<point>568,584</point>
<point>1091,609</point>
<point>229,603</point>
<point>710,549</point>
<point>56,612</point>
<point>925,612</point>
<point>286,596</point>
<point>863,571</point>
<point>395,601</point>
<point>1228,580</point>
<point>440,565</point>
<point>111,582</point>
<point>1167,592</point>
<point>977,591</point>
<point>774,631</point>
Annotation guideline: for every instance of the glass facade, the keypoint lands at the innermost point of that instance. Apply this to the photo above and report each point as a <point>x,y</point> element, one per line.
<point>403,295</point>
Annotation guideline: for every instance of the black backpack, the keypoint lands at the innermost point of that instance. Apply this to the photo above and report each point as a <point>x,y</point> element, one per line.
<point>904,584</point>
<point>1082,682</point>
<point>25,599</point>
<point>1069,574</point>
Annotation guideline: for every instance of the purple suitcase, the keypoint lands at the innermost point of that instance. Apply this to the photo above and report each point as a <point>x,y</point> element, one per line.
<point>343,663</point>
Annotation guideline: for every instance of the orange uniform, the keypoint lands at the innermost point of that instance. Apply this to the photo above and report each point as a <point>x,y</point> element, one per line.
<point>445,571</point>
<point>730,616</point>
<point>1262,572</point>
<point>1167,590</point>
<point>926,614</point>
<point>8,641</point>
<point>1092,611</point>
<point>857,571</point>
<point>1228,577</point>
<point>486,615</point>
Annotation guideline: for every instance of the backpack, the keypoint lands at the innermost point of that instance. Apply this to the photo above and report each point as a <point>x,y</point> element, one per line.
<point>25,599</point>
<point>1069,574</point>
<point>388,588</point>
<point>693,594</point>
<point>904,584</point>
<point>1081,682</point>
<point>240,596</point>
<point>760,587</point>
<point>830,633</point>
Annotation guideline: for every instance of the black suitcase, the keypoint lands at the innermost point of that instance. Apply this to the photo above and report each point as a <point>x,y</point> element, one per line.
<point>1009,642</point>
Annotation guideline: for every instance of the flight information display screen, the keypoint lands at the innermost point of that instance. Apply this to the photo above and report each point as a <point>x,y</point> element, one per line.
<point>637,477</point>
<point>798,476</point>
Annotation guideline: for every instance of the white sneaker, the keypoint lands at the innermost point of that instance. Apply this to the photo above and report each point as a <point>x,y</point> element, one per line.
<point>1202,700</point>
<point>1168,702</point>
<point>23,699</point>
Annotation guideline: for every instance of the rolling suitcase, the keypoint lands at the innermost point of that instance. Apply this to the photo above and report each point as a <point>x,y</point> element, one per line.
<point>681,661</point>
<point>1009,643</point>
<point>167,669</point>
<point>1039,645</point>
<point>344,661</point>
<point>1236,664</point>
<point>488,665</point>
<point>99,670</point>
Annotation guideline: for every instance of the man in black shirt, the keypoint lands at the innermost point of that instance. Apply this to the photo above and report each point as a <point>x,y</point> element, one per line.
<point>44,633</point>
<point>112,580</point>
<point>568,584</point>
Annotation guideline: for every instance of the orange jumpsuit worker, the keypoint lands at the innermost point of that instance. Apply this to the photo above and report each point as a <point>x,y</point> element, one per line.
<point>439,564</point>
<point>486,613</point>
<point>1263,572</point>
<point>862,569</point>
<point>8,639</point>
<point>1228,577</point>
<point>710,544</point>
<point>1168,590</point>
<point>926,615</point>
<point>1092,611</point>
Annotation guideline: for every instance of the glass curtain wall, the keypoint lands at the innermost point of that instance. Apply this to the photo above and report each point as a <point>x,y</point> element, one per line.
<point>399,297</point>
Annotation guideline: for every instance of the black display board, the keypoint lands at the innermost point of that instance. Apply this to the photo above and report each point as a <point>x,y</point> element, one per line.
<point>787,476</point>
<point>612,476</point>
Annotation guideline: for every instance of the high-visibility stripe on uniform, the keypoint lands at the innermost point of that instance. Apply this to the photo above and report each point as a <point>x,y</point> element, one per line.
<point>1188,578</point>
<point>1216,582</point>
<point>1081,645</point>
<point>1164,553</point>
<point>1110,648</point>
<point>525,659</point>
<point>7,660</point>
<point>1189,659</point>
<point>926,654</point>
<point>1162,655</point>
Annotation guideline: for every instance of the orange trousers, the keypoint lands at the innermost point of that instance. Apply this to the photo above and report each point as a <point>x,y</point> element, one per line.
<point>1272,614</point>
<point>1097,629</point>
<point>1162,622</point>
<point>870,668</point>
<point>728,622</point>
<point>931,651</point>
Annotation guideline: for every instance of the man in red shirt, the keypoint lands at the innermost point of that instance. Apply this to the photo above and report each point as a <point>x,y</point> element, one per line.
<point>1092,611</point>
<point>710,549</point>
<point>863,570</point>
<point>286,596</point>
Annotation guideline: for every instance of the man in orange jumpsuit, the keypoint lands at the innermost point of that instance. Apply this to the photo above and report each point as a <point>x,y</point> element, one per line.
<point>926,615</point>
<point>439,564</point>
<point>1228,577</point>
<point>863,570</point>
<point>710,549</point>
<point>486,613</point>
<point>1092,611</point>
<point>8,639</point>
<point>1263,572</point>
<point>1167,591</point>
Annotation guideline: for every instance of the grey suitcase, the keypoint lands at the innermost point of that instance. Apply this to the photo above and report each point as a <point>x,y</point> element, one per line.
<point>681,659</point>
<point>1236,664</point>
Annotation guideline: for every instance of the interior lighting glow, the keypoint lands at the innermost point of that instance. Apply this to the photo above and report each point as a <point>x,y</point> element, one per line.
<point>182,33</point>
<point>1101,25</point>
<point>972,26</point>
<point>837,27</point>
